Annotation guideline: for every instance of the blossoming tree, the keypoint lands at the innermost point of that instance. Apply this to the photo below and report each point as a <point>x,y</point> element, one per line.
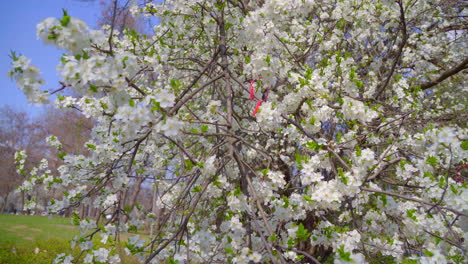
<point>354,153</point>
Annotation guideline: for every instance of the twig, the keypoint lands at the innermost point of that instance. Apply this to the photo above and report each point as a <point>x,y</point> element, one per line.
<point>411,199</point>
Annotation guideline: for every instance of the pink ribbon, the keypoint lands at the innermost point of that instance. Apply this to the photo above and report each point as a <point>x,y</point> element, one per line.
<point>252,88</point>
<point>259,103</point>
<point>252,95</point>
<point>458,177</point>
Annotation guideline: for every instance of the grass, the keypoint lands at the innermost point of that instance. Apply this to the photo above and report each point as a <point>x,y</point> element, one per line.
<point>34,239</point>
<point>38,239</point>
<point>20,229</point>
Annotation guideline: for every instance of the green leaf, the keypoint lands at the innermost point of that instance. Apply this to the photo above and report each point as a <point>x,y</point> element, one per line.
<point>103,105</point>
<point>229,251</point>
<point>76,218</point>
<point>131,102</point>
<point>272,238</point>
<point>93,88</point>
<point>428,253</point>
<point>132,229</point>
<point>431,160</point>
<point>204,128</point>
<point>52,36</point>
<point>197,189</point>
<point>344,180</point>
<point>62,155</point>
<point>188,165</point>
<point>409,261</point>
<point>13,55</point>
<point>453,188</point>
<point>359,84</point>
<point>155,105</point>
<point>91,146</point>
<point>237,192</point>
<point>65,19</point>
<point>308,74</point>
<point>344,255</point>
<point>313,145</point>
<point>352,74</point>
<point>410,214</point>
<point>175,83</point>
<point>464,145</point>
<point>358,151</point>
<point>302,233</point>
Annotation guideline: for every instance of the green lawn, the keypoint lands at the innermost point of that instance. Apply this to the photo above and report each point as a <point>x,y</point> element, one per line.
<point>20,229</point>
<point>34,239</point>
<point>38,239</point>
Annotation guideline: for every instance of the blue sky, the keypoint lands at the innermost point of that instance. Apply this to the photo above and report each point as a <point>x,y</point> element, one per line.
<point>18,20</point>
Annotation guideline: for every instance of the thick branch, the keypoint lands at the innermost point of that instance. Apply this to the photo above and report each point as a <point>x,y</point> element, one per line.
<point>460,67</point>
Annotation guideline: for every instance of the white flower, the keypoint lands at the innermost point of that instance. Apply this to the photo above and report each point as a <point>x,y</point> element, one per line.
<point>353,259</point>
<point>277,178</point>
<point>87,225</point>
<point>88,258</point>
<point>309,174</point>
<point>28,79</point>
<point>62,259</point>
<point>165,99</point>
<point>353,109</point>
<point>171,127</point>
<point>290,255</point>
<point>136,241</point>
<point>209,167</point>
<point>115,259</point>
<point>101,254</point>
<point>110,200</point>
<point>54,142</point>
<point>255,257</point>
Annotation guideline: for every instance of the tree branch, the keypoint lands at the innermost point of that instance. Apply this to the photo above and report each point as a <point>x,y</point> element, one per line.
<point>460,67</point>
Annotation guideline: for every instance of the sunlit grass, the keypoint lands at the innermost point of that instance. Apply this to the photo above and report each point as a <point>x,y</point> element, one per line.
<point>20,229</point>
<point>39,239</point>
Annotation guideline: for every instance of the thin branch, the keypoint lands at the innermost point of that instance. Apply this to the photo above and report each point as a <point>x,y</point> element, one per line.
<point>411,199</point>
<point>59,89</point>
<point>302,253</point>
<point>182,101</point>
<point>132,84</point>
<point>385,166</point>
<point>294,123</point>
<point>445,240</point>
<point>114,14</point>
<point>207,66</point>
<point>400,50</point>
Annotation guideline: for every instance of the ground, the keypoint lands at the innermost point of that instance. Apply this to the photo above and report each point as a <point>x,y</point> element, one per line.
<point>36,239</point>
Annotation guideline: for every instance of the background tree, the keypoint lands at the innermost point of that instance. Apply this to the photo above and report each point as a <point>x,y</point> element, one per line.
<point>17,131</point>
<point>20,131</point>
<point>117,13</point>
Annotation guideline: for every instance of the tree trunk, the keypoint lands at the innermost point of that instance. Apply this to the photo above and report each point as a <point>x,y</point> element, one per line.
<point>135,192</point>
<point>5,201</point>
